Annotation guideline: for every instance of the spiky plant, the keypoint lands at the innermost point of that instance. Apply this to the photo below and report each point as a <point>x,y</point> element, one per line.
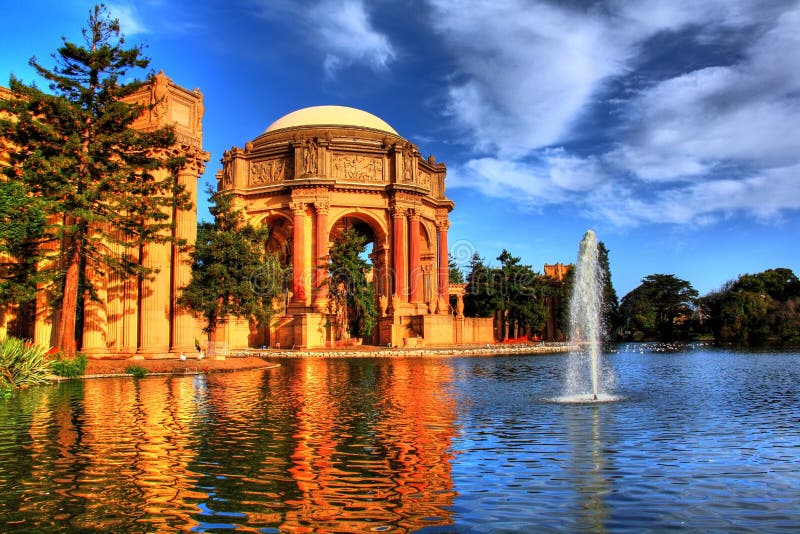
<point>22,364</point>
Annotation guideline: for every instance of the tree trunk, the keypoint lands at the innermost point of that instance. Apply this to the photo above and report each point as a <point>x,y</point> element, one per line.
<point>65,338</point>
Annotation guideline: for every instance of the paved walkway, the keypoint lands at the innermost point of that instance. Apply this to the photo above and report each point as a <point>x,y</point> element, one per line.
<point>239,360</point>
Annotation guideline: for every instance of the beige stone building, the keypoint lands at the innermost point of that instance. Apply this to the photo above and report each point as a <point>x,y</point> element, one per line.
<point>140,318</point>
<point>318,170</point>
<point>310,174</point>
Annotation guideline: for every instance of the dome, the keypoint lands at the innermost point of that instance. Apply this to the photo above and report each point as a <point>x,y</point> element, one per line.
<point>330,116</point>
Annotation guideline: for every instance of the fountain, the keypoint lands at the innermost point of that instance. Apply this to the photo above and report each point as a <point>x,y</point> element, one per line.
<point>586,326</point>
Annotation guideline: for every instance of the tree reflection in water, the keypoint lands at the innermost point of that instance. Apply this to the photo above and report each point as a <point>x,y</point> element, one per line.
<point>316,444</point>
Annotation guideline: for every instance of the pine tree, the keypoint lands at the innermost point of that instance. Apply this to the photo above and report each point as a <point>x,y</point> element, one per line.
<point>456,276</point>
<point>478,301</point>
<point>521,292</point>
<point>22,225</point>
<point>232,275</point>
<point>351,294</point>
<point>101,183</point>
<point>610,301</point>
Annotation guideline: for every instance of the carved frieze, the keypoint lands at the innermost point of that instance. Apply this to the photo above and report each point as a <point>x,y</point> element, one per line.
<point>357,168</point>
<point>424,179</point>
<point>270,171</point>
<point>188,140</point>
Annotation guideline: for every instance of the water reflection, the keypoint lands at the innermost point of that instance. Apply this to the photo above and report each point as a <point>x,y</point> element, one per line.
<point>705,441</point>
<point>106,454</point>
<point>588,466</point>
<point>384,461</point>
<point>314,445</point>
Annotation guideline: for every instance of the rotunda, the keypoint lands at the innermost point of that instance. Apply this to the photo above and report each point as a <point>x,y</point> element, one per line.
<point>320,169</point>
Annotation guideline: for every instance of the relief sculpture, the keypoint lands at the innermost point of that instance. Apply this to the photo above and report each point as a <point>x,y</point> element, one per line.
<point>269,171</point>
<point>357,168</point>
<point>424,180</point>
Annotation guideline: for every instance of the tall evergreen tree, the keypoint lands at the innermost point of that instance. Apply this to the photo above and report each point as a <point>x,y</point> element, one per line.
<point>99,180</point>
<point>610,300</point>
<point>456,276</point>
<point>478,301</point>
<point>352,295</point>
<point>521,292</point>
<point>22,226</point>
<point>232,275</point>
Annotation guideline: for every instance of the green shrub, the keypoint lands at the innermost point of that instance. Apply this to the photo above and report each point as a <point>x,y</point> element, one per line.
<point>22,364</point>
<point>70,368</point>
<point>136,371</point>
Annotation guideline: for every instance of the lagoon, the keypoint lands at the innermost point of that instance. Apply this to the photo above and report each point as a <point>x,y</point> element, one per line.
<point>700,440</point>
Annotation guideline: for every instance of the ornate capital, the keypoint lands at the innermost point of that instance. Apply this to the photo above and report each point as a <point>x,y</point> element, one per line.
<point>322,207</point>
<point>413,214</point>
<point>442,224</point>
<point>195,162</point>
<point>298,208</point>
<point>398,212</point>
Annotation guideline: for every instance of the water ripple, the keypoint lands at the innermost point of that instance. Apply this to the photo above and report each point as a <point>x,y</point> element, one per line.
<point>700,440</point>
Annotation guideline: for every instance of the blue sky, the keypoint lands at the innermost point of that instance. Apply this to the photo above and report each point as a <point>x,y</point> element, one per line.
<point>670,127</point>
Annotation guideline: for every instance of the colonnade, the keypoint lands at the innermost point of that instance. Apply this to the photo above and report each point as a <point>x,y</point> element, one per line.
<point>404,282</point>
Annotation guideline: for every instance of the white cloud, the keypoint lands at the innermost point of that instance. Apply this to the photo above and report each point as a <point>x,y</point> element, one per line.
<point>764,197</point>
<point>703,145</point>
<point>130,21</point>
<point>349,37</point>
<point>526,70</point>
<point>746,112</point>
<point>557,177</point>
<point>341,29</point>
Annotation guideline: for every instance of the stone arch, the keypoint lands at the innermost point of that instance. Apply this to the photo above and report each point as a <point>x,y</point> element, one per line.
<point>280,235</point>
<point>375,223</point>
<point>428,261</point>
<point>374,228</point>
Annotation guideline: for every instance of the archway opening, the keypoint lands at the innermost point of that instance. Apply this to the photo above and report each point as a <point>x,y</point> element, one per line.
<point>373,257</point>
<point>279,244</point>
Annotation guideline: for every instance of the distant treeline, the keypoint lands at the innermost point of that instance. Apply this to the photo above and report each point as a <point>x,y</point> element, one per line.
<point>753,310</point>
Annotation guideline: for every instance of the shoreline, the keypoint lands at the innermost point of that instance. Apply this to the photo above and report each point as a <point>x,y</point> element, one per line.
<point>490,349</point>
<point>248,359</point>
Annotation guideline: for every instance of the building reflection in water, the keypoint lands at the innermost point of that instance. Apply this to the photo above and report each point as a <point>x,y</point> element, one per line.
<point>382,461</point>
<point>116,454</point>
<point>315,445</point>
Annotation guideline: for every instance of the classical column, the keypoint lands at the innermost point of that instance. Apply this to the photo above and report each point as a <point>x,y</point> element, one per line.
<point>183,320</point>
<point>321,256</point>
<point>130,306</point>
<point>399,253</point>
<point>154,300</point>
<point>444,261</point>
<point>95,317</point>
<point>414,264</point>
<point>298,252</point>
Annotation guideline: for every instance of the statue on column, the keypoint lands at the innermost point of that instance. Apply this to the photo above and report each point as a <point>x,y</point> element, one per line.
<point>311,156</point>
<point>158,97</point>
<point>198,123</point>
<point>408,162</point>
